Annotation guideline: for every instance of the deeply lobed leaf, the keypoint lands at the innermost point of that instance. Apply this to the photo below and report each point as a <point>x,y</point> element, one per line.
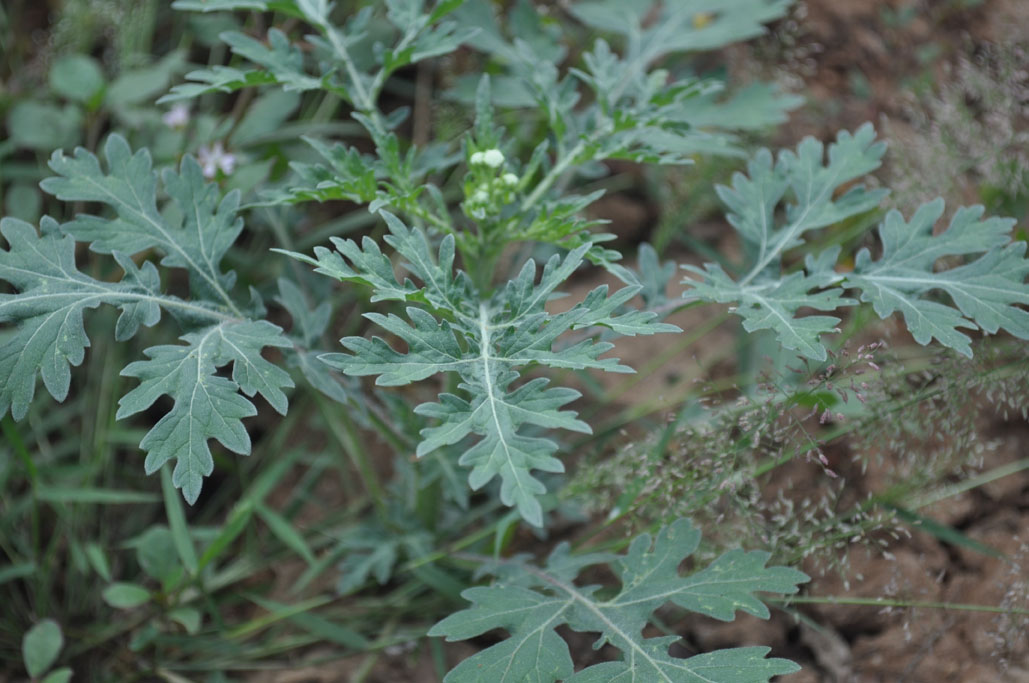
<point>485,342</point>
<point>206,406</point>
<point>52,294</point>
<point>986,290</point>
<point>530,603</point>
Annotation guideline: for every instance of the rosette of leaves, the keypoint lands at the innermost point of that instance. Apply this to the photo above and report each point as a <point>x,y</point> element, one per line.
<point>531,602</point>
<point>777,204</point>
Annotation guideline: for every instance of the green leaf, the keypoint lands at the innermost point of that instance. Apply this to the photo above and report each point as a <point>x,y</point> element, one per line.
<point>808,185</point>
<point>206,406</point>
<point>366,558</point>
<point>52,294</point>
<point>156,554</point>
<point>62,675</point>
<point>773,306</point>
<point>40,126</point>
<point>209,227</point>
<point>449,328</point>
<point>284,531</point>
<point>17,571</point>
<point>93,496</point>
<point>77,77</point>
<point>125,595</point>
<point>40,647</point>
<point>530,604</point>
<point>753,107</point>
<point>177,521</point>
<point>694,25</point>
<point>987,290</point>
<point>98,560</point>
<point>280,63</point>
<point>140,86</point>
<point>23,201</point>
<point>188,617</point>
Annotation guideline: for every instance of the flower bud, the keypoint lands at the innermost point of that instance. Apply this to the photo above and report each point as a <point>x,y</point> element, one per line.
<point>493,158</point>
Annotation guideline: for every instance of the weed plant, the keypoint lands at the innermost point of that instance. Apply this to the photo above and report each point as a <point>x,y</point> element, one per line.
<point>204,221</point>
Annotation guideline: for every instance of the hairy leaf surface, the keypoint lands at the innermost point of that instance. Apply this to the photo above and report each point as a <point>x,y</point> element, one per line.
<point>448,328</point>
<point>986,290</point>
<point>193,231</point>
<point>206,406</point>
<point>530,603</point>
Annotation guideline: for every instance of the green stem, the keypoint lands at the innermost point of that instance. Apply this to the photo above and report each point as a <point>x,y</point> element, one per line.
<point>887,602</point>
<point>361,98</point>
<point>556,172</point>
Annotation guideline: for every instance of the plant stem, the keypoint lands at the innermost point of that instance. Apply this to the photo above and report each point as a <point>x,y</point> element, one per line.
<point>889,602</point>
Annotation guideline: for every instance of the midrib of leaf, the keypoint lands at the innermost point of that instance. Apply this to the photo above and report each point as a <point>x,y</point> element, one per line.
<point>542,627</point>
<point>491,400</point>
<point>576,596</point>
<point>114,298</point>
<point>104,294</point>
<point>677,591</point>
<point>934,283</point>
<point>794,229</point>
<point>192,398</point>
<point>786,321</point>
<point>169,241</point>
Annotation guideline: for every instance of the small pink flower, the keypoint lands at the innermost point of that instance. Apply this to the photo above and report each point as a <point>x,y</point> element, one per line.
<point>215,158</point>
<point>176,117</point>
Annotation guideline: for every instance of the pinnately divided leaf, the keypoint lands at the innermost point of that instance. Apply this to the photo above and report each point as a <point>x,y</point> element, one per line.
<point>986,291</point>
<point>51,294</point>
<point>448,328</point>
<point>808,184</point>
<point>531,603</point>
<point>198,243</point>
<point>206,406</point>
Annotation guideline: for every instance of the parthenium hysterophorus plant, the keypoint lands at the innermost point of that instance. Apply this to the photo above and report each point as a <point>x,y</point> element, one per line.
<point>458,318</point>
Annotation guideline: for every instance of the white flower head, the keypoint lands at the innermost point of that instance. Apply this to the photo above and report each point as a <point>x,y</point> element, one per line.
<point>215,158</point>
<point>509,179</point>
<point>176,117</point>
<point>493,158</point>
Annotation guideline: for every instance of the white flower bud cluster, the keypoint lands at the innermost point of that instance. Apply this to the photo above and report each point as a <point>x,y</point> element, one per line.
<point>491,157</point>
<point>490,187</point>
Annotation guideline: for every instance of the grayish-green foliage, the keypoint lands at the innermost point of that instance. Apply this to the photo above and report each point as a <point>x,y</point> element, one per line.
<point>450,328</point>
<point>419,35</point>
<point>776,204</point>
<point>453,311</point>
<point>985,289</point>
<point>193,233</point>
<point>530,603</point>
